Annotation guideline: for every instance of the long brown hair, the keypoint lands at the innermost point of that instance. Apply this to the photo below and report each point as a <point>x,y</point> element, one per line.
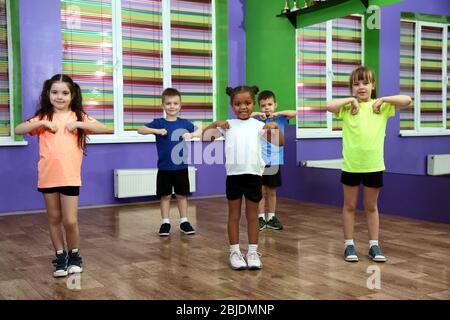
<point>46,109</point>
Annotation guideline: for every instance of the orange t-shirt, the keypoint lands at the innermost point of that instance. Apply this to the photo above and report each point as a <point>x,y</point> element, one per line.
<point>60,156</point>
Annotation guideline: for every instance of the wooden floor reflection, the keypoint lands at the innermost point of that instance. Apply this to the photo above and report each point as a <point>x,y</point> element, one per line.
<point>126,259</point>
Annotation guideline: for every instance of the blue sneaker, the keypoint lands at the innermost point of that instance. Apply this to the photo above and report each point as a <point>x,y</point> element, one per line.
<point>376,255</point>
<point>350,254</point>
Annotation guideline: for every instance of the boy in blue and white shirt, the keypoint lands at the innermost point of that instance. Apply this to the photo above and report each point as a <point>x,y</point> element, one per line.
<point>273,156</point>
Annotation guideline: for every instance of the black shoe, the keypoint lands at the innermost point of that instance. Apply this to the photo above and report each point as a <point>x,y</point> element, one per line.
<point>74,264</point>
<point>60,264</point>
<point>165,229</point>
<point>186,228</point>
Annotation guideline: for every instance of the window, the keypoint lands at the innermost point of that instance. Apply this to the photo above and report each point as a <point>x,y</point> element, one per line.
<point>424,71</point>
<point>10,104</point>
<point>5,112</point>
<point>123,53</point>
<point>326,55</point>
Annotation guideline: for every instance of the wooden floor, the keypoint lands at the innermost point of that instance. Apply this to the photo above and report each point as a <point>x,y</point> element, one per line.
<point>126,259</point>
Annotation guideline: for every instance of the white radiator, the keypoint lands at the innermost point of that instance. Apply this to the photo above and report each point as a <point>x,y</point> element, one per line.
<point>141,182</point>
<point>438,164</point>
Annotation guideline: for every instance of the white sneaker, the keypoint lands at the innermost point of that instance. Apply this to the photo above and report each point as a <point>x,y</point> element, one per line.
<point>237,260</point>
<point>253,260</point>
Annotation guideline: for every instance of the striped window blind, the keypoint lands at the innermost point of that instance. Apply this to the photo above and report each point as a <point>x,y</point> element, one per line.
<point>87,54</point>
<point>347,56</point>
<point>407,68</point>
<point>422,53</point>
<point>142,61</point>
<point>431,77</point>
<point>192,59</point>
<point>5,112</point>
<point>448,77</point>
<point>311,77</point>
<point>344,52</point>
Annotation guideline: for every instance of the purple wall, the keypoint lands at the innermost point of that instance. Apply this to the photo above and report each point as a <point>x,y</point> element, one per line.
<point>41,57</point>
<point>402,154</point>
<point>236,46</point>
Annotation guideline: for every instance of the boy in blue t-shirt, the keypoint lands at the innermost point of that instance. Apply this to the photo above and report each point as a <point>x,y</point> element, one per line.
<point>273,157</point>
<point>171,133</point>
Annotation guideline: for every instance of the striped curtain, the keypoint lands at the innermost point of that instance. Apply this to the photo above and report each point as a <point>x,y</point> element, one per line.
<point>142,61</point>
<point>311,77</point>
<point>347,56</point>
<point>87,54</point>
<point>192,68</point>
<point>431,77</point>
<point>407,53</point>
<point>5,125</point>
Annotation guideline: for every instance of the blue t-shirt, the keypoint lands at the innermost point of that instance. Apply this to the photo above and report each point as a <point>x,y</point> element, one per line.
<point>272,154</point>
<point>172,149</point>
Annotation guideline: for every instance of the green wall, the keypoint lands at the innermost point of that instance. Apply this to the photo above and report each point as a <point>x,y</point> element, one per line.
<point>221,12</point>
<point>270,46</point>
<point>270,51</point>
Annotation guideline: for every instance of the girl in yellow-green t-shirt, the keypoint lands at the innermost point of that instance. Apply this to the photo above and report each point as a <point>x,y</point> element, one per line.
<point>364,119</point>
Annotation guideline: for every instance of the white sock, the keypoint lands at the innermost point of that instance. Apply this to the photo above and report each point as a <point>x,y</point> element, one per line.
<point>349,242</point>
<point>270,215</point>
<point>59,251</point>
<point>261,215</point>
<point>183,219</point>
<point>166,220</point>
<point>235,248</point>
<point>252,248</point>
<point>373,243</point>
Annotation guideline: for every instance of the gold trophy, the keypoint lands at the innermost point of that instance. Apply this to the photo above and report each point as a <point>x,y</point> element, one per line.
<point>295,7</point>
<point>305,4</point>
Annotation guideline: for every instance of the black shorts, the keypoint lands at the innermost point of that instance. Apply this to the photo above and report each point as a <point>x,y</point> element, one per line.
<point>368,179</point>
<point>248,185</point>
<point>272,176</point>
<point>176,180</point>
<point>67,191</point>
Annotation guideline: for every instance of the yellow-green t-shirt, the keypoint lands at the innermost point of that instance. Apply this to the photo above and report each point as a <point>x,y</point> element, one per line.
<point>363,137</point>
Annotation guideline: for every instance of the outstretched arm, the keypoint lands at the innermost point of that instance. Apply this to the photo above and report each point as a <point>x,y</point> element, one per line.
<point>90,127</point>
<point>336,104</point>
<point>211,132</point>
<point>287,113</point>
<point>273,134</point>
<point>400,101</point>
<point>146,130</point>
<point>27,126</point>
<point>191,135</point>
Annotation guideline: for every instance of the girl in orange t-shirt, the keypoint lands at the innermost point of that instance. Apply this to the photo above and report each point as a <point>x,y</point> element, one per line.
<point>62,126</point>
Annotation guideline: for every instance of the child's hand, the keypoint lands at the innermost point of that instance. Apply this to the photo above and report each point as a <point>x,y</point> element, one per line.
<point>262,115</point>
<point>71,126</point>
<point>270,126</point>
<point>273,115</point>
<point>162,132</point>
<point>50,125</point>
<point>377,105</point>
<point>355,107</point>
<point>223,124</point>
<point>187,136</point>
